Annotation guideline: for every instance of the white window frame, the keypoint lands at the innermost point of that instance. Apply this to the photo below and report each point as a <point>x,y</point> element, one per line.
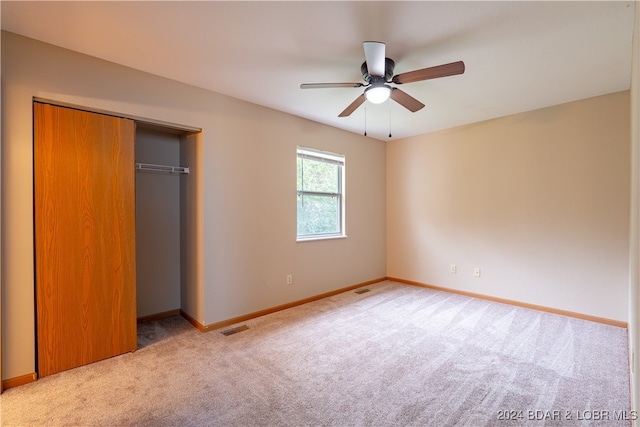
<point>338,159</point>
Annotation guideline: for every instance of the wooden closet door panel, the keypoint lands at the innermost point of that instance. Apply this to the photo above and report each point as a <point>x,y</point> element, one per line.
<point>84,198</point>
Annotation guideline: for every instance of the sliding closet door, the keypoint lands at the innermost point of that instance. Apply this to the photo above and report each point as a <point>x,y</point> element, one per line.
<point>84,193</point>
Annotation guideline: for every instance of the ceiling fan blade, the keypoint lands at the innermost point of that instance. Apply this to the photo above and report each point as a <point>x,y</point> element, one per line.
<point>353,106</point>
<point>374,54</point>
<point>328,85</point>
<point>444,70</point>
<point>406,100</point>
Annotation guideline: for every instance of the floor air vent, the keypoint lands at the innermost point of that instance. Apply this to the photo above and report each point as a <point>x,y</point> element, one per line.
<point>234,330</point>
<point>362,291</point>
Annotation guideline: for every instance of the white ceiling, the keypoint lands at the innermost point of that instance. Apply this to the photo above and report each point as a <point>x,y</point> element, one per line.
<point>519,56</point>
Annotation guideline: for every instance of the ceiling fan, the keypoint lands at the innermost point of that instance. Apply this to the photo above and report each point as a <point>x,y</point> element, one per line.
<point>377,72</point>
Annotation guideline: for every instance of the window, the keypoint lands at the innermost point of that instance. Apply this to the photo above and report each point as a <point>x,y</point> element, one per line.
<point>320,194</point>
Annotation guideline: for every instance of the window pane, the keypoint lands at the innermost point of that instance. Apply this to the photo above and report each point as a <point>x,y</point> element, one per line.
<point>319,176</point>
<point>318,215</point>
<point>320,187</point>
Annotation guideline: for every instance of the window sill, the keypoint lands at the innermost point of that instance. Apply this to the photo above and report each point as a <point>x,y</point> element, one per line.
<point>316,238</point>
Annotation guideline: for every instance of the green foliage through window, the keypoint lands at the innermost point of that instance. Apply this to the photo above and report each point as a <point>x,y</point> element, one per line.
<point>320,194</point>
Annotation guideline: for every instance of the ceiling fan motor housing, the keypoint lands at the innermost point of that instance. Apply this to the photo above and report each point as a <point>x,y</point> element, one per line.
<point>389,65</point>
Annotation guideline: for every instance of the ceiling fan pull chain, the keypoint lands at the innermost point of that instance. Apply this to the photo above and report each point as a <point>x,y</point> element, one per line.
<point>389,121</point>
<point>365,120</point>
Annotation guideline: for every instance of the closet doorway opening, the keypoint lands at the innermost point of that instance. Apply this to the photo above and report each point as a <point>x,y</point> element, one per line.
<point>166,222</point>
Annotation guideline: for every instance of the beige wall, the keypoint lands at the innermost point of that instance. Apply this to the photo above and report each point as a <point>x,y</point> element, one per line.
<point>634,241</point>
<point>539,201</point>
<point>247,190</point>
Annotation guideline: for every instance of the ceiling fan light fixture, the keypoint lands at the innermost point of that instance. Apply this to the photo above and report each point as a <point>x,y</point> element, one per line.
<point>378,94</point>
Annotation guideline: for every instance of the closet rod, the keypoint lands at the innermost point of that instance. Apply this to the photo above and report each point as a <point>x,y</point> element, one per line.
<point>161,168</point>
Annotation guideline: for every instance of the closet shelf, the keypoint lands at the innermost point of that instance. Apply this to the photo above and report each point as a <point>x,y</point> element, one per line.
<point>161,168</point>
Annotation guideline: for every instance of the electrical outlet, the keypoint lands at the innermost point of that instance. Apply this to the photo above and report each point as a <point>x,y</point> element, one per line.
<point>289,279</point>
<point>453,269</point>
<point>476,272</point>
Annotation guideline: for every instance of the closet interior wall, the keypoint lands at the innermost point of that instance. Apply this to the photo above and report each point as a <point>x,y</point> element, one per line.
<point>158,222</point>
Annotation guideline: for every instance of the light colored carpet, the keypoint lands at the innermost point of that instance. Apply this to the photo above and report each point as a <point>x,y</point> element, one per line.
<point>398,355</point>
